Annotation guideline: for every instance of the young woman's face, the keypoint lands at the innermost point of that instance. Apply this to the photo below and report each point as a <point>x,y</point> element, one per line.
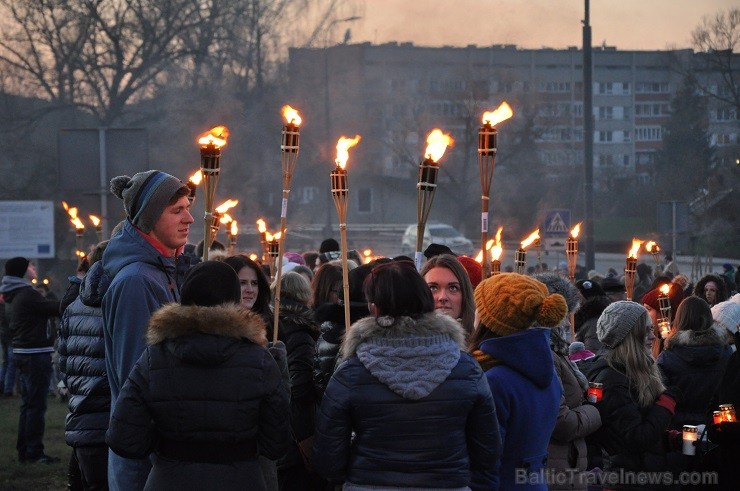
<point>249,285</point>
<point>710,292</point>
<point>446,291</point>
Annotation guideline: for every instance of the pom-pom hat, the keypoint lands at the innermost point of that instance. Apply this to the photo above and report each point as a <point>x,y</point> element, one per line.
<point>145,196</point>
<point>510,302</point>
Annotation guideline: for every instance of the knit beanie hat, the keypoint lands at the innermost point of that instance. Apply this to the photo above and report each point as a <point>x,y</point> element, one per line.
<point>16,266</point>
<point>329,245</point>
<point>294,257</point>
<point>145,196</point>
<point>557,284</point>
<point>510,302</point>
<point>589,289</point>
<point>617,320</point>
<point>473,268</point>
<point>727,313</point>
<point>211,283</point>
<point>575,347</point>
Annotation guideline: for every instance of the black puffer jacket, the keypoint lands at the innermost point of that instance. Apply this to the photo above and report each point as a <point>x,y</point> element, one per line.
<point>631,438</point>
<point>694,361</point>
<point>330,317</point>
<point>298,330</point>
<point>205,390</point>
<point>82,361</point>
<point>28,313</point>
<point>407,405</point>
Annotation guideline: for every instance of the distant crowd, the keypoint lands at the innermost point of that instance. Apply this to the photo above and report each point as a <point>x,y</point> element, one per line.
<point>380,377</point>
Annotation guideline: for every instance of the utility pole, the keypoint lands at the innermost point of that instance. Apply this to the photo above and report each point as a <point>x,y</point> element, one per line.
<point>588,140</point>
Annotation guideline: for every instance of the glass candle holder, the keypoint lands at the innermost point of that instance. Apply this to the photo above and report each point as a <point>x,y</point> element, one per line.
<point>595,392</point>
<point>728,413</point>
<point>690,436</point>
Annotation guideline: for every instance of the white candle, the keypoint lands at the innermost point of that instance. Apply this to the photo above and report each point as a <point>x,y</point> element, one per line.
<point>690,435</point>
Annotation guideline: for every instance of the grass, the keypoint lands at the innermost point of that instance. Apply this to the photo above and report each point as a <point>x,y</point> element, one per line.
<point>37,477</point>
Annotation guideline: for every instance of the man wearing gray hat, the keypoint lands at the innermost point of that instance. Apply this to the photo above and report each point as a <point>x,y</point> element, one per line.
<point>142,260</point>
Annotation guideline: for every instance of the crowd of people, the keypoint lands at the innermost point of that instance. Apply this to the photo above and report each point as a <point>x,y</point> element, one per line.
<point>443,379</point>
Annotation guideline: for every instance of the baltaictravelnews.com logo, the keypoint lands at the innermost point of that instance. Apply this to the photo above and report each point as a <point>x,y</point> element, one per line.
<point>561,477</point>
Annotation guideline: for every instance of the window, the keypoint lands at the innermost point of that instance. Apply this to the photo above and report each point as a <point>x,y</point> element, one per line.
<point>725,114</point>
<point>648,133</point>
<point>578,109</point>
<point>604,88</point>
<point>558,87</point>
<point>605,112</point>
<point>722,139</point>
<point>647,110</point>
<point>652,88</point>
<point>645,158</point>
<point>603,136</point>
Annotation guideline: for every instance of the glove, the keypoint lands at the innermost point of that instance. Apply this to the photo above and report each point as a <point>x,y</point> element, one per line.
<point>280,354</point>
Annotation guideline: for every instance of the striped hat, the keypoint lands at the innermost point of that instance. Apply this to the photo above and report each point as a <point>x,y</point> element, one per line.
<point>146,195</point>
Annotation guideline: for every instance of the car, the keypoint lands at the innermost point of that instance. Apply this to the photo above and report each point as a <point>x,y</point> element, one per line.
<point>437,233</point>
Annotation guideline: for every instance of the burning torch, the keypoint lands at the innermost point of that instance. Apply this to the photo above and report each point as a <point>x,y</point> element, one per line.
<point>262,229</point>
<point>437,143</point>
<point>98,224</point>
<point>664,304</point>
<point>79,230</point>
<point>211,144</point>
<point>630,268</point>
<point>571,251</point>
<point>273,250</point>
<point>520,257</point>
<point>220,216</point>
<point>652,248</point>
<point>486,161</point>
<point>193,182</point>
<point>340,191</point>
<point>233,233</point>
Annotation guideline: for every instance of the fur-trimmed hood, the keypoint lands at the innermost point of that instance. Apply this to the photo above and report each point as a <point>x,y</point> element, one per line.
<point>430,324</point>
<point>294,317</point>
<point>231,321</point>
<point>714,336</point>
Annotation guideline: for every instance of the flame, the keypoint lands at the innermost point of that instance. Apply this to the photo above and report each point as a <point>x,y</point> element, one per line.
<point>367,252</point>
<point>226,205</point>
<point>502,113</point>
<point>72,212</point>
<point>261,226</point>
<point>664,289</point>
<point>437,143</point>
<point>216,136</point>
<point>652,247</point>
<point>95,221</point>
<point>196,178</point>
<point>226,218</point>
<point>277,236</point>
<point>80,254</point>
<point>576,230</point>
<point>636,243</point>
<point>343,146</point>
<point>532,237</point>
<point>497,249</point>
<point>291,115</point>
<point>268,236</point>
<point>253,257</point>
<point>234,228</point>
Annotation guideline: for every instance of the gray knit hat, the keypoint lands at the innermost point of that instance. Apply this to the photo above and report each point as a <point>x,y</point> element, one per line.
<point>557,284</point>
<point>145,196</point>
<point>617,320</point>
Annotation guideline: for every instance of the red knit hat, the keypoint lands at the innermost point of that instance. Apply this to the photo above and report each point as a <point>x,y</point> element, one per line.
<point>473,268</point>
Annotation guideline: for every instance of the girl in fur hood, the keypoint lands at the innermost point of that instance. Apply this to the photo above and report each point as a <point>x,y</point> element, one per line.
<point>695,356</point>
<point>408,407</point>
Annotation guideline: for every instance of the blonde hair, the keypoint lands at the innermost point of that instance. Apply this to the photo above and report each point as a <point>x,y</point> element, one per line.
<point>640,368</point>
<point>293,286</point>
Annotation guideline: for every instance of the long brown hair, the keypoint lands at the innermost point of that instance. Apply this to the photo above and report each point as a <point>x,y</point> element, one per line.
<point>467,312</point>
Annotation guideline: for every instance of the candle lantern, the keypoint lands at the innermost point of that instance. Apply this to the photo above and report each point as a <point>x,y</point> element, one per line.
<point>437,143</point>
<point>520,256</point>
<point>340,191</point>
<point>653,249</point>
<point>211,144</point>
<point>233,233</point>
<point>630,268</point>
<point>571,251</point>
<point>728,413</point>
<point>595,392</point>
<point>690,436</point>
<point>487,135</point>
<point>717,417</point>
<point>289,149</point>
<point>664,305</point>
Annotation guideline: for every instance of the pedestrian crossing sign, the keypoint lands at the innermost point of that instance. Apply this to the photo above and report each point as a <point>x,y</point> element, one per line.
<point>557,223</point>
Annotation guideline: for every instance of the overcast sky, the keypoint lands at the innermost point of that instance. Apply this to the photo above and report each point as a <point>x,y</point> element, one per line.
<point>626,24</point>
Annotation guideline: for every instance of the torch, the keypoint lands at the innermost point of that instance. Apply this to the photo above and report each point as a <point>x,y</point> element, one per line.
<point>340,192</point>
<point>520,257</point>
<point>486,162</point>
<point>262,229</point>
<point>210,143</point>
<point>571,251</point>
<point>79,230</point>
<point>220,216</point>
<point>630,268</point>
<point>289,156</point>
<point>496,252</point>
<point>664,304</point>
<point>653,249</point>
<point>273,250</point>
<point>233,232</point>
<point>192,184</point>
<point>437,143</point>
<point>98,224</point>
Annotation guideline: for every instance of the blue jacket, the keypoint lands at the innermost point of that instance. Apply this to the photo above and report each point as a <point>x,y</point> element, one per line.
<point>526,391</point>
<point>408,407</point>
<point>143,280</point>
<point>82,361</point>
